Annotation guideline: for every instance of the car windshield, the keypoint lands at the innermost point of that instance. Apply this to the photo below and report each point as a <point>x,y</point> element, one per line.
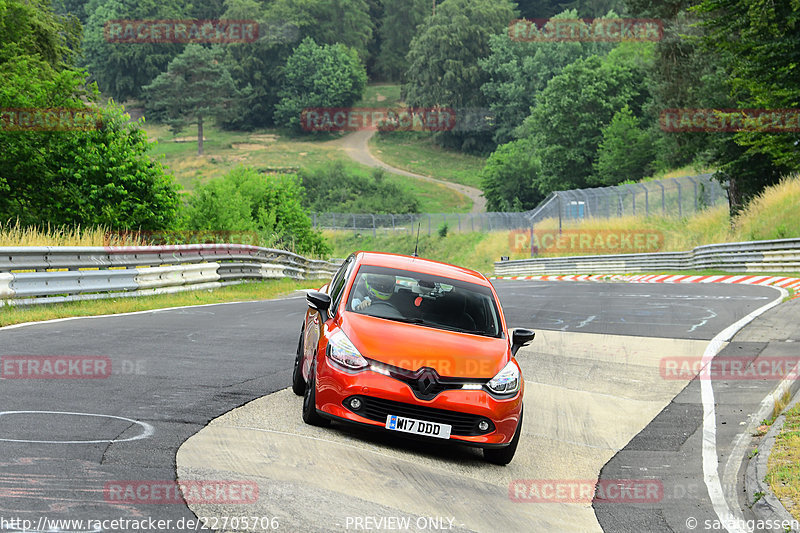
<point>423,299</point>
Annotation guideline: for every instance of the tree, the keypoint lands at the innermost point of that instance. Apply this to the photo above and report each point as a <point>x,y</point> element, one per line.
<point>97,176</point>
<point>31,28</point>
<point>508,178</point>
<point>444,55</point>
<point>122,69</point>
<point>336,189</point>
<point>196,85</point>
<point>331,22</point>
<point>71,7</point>
<point>759,51</point>
<point>318,76</point>
<point>567,123</point>
<point>625,151</point>
<point>519,70</point>
<point>398,27</point>
<point>245,200</point>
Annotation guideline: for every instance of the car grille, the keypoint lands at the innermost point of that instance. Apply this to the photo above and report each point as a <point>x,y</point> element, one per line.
<point>425,382</point>
<point>378,409</point>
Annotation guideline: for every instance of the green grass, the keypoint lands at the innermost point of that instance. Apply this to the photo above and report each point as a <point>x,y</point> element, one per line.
<point>273,149</point>
<point>262,290</point>
<point>477,251</point>
<point>416,152</point>
<point>224,150</point>
<point>783,468</point>
<point>380,95</point>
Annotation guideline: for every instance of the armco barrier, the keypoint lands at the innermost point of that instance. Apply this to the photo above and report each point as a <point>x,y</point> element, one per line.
<point>782,255</point>
<point>47,274</point>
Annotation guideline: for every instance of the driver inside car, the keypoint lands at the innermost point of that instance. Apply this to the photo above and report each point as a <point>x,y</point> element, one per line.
<point>372,288</point>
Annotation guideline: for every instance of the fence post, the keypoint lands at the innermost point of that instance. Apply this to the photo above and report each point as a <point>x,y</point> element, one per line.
<point>429,224</point>
<point>646,199</point>
<point>393,228</point>
<point>373,226</point>
<point>559,213</point>
<point>680,197</point>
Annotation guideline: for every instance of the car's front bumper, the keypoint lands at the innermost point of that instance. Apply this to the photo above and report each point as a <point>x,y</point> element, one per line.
<point>335,385</point>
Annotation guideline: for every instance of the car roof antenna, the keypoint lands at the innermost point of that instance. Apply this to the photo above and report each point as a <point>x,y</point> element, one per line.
<point>416,245</point>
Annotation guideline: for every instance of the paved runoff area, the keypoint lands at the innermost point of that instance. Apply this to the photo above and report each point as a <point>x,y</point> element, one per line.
<point>586,396</point>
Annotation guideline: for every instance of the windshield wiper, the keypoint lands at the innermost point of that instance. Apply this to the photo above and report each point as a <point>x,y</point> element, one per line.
<point>405,320</point>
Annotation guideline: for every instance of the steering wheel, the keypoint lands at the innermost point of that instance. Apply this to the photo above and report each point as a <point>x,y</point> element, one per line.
<point>385,310</point>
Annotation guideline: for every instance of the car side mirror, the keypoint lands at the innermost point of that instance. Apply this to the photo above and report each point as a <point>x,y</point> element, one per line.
<point>520,337</point>
<point>318,300</point>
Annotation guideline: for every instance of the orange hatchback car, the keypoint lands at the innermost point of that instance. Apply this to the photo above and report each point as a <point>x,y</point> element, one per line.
<point>412,346</point>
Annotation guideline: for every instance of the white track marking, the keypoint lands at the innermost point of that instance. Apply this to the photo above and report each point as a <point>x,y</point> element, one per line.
<point>710,455</point>
<point>148,429</point>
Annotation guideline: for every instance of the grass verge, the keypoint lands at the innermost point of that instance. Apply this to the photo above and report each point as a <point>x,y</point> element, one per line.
<point>262,290</point>
<point>783,467</point>
<point>416,152</point>
<point>271,150</point>
<point>381,95</point>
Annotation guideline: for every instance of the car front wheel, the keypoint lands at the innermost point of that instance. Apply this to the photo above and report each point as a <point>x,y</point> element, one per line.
<point>298,383</point>
<point>310,415</point>
<point>503,456</point>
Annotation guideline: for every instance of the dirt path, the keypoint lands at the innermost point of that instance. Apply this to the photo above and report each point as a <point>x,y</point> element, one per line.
<point>356,145</point>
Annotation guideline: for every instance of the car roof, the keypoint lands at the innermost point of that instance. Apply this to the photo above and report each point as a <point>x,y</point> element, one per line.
<point>418,264</point>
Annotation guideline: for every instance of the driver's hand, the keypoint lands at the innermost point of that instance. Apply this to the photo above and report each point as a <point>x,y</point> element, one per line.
<point>363,305</point>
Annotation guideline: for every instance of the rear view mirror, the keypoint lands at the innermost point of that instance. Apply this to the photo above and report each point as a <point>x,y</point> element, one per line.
<point>520,337</point>
<point>318,300</point>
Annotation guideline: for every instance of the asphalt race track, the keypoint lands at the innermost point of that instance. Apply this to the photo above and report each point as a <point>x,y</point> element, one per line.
<point>63,442</point>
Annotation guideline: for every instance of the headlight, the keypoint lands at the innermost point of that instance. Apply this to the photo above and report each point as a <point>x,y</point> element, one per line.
<point>341,350</point>
<point>506,381</point>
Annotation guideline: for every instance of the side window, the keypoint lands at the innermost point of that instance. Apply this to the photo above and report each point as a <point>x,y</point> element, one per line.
<point>338,282</point>
<point>337,278</point>
<point>338,290</point>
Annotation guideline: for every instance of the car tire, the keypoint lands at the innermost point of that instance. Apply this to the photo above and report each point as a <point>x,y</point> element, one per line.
<point>298,383</point>
<point>310,415</point>
<point>503,456</point>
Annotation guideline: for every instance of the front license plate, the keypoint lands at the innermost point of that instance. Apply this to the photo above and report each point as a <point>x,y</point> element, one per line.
<point>417,427</point>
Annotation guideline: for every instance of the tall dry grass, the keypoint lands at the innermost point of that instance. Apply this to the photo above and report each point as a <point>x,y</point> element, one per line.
<point>773,214</point>
<point>14,234</point>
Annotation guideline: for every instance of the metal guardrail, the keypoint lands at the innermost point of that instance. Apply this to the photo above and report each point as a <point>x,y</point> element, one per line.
<point>782,255</point>
<point>49,274</point>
